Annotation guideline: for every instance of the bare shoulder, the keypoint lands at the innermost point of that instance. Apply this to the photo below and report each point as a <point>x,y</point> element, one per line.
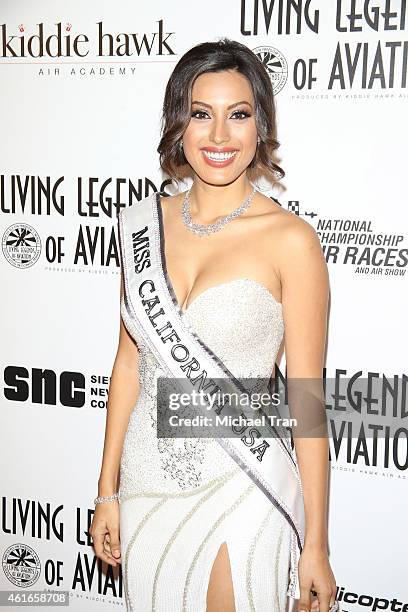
<point>292,247</point>
<point>290,236</point>
<point>286,220</point>
<point>297,235</point>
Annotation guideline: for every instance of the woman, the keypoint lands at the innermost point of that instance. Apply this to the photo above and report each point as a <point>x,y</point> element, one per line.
<point>214,277</point>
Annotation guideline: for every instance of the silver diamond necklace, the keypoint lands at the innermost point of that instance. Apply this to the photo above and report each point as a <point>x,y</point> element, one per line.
<point>204,230</point>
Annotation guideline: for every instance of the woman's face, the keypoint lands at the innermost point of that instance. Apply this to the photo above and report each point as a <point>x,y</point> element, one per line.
<point>221,138</point>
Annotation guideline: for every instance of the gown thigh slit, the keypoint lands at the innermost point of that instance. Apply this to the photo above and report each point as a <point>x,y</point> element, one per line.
<point>220,591</point>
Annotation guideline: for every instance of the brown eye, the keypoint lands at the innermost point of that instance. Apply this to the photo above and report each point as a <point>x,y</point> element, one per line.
<point>196,114</point>
<point>243,114</point>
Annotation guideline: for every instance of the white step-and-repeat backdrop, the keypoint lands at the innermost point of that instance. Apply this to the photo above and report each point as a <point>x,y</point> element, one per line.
<point>81,90</point>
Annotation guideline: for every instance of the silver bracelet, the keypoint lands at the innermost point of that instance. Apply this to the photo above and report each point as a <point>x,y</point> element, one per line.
<point>102,500</point>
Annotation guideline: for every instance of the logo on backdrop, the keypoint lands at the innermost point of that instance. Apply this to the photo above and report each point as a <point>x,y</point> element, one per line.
<point>56,527</point>
<point>21,245</point>
<point>331,64</point>
<point>46,386</point>
<point>280,17</point>
<point>93,245</point>
<point>55,41</point>
<point>358,243</point>
<point>371,603</point>
<point>21,565</point>
<point>276,65</point>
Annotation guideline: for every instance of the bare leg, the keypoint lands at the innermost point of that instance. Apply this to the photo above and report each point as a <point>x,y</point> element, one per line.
<point>220,593</point>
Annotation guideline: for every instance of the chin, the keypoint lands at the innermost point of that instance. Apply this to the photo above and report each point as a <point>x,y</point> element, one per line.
<point>219,176</point>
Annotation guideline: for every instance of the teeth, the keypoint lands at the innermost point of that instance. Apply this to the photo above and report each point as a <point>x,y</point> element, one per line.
<point>219,156</point>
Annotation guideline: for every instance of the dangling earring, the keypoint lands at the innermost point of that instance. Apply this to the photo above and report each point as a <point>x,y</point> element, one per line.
<point>258,140</point>
<point>181,144</point>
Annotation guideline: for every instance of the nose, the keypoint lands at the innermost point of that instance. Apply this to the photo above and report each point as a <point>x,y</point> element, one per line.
<point>219,131</point>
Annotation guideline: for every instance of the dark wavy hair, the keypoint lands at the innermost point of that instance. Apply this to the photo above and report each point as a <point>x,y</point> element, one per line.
<point>224,54</point>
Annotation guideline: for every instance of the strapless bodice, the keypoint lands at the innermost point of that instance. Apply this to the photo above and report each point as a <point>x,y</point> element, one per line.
<point>239,320</point>
<point>242,323</point>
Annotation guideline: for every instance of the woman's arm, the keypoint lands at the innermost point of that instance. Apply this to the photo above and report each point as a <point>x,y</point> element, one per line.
<point>123,393</point>
<point>305,292</point>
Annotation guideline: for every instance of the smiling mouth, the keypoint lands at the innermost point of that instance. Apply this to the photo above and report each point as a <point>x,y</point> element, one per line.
<point>219,156</point>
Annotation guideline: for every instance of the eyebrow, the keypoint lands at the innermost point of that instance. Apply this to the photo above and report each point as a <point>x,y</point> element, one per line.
<point>230,106</point>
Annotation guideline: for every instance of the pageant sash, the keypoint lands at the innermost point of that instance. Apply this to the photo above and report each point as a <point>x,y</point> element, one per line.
<point>152,306</point>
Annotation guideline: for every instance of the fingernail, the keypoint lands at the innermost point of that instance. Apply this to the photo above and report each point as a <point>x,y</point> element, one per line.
<point>116,553</point>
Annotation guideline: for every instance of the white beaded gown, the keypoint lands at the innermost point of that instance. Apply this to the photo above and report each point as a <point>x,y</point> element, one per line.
<point>180,499</point>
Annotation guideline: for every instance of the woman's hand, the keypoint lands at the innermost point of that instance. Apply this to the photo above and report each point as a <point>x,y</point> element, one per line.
<point>315,574</point>
<point>104,531</point>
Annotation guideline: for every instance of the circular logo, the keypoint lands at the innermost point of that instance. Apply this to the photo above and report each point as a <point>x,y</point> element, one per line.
<point>21,245</point>
<point>276,65</point>
<point>21,565</point>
